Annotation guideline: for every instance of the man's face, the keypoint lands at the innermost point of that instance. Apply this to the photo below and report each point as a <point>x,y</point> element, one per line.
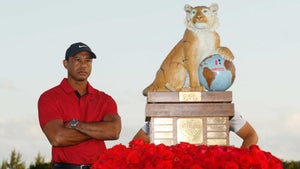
<point>79,66</point>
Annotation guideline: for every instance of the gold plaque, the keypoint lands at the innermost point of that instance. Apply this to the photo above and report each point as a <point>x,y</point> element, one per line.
<point>163,135</point>
<point>216,134</point>
<point>216,127</point>
<point>216,120</point>
<point>163,128</point>
<point>189,96</point>
<point>190,130</point>
<point>162,121</point>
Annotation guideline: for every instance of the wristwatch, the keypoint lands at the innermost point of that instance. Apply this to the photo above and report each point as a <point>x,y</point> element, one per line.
<point>74,123</point>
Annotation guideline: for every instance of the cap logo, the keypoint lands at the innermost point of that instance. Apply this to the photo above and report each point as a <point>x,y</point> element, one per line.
<point>82,46</point>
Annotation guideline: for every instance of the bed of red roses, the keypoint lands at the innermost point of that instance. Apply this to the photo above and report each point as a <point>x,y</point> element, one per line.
<point>141,155</point>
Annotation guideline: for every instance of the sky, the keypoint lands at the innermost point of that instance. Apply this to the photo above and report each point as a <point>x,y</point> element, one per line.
<point>131,39</point>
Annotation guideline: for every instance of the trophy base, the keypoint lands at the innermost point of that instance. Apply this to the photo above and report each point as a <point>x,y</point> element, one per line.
<point>193,117</point>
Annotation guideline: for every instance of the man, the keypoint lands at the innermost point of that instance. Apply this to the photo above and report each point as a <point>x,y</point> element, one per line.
<point>237,124</point>
<point>75,117</point>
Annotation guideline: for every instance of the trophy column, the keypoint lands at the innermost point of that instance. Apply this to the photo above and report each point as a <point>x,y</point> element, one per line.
<point>193,117</point>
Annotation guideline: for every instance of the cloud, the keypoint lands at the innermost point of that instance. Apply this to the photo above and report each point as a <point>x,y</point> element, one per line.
<point>291,123</point>
<point>7,85</point>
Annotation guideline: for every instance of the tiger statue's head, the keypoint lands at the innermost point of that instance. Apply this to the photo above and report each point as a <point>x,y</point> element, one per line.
<point>201,18</point>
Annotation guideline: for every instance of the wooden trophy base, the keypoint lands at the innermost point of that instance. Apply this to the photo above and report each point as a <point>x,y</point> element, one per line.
<point>193,117</point>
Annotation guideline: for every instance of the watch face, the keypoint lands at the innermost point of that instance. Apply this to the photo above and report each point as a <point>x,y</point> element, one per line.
<point>74,123</point>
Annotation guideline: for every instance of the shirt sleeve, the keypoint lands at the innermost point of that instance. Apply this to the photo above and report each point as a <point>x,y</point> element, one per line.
<point>146,128</point>
<point>47,110</point>
<point>236,122</point>
<point>111,106</point>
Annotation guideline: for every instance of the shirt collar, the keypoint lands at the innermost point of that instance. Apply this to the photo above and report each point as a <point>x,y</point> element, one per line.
<point>68,88</point>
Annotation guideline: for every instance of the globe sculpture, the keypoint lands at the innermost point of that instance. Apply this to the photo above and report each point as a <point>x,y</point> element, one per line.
<point>216,73</point>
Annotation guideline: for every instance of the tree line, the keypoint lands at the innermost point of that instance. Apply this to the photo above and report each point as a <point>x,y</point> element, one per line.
<point>16,162</point>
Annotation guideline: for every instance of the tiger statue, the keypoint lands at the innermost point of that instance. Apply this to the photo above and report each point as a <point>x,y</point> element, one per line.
<point>179,70</point>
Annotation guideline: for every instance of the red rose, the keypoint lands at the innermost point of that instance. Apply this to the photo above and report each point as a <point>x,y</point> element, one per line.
<point>141,155</point>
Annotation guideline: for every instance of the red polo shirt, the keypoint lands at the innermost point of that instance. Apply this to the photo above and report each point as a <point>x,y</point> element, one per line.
<point>61,102</point>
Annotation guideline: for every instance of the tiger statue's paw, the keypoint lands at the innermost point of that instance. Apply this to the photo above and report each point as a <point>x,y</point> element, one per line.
<point>225,53</point>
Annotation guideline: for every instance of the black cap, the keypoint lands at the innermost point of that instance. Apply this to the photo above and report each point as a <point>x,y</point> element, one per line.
<point>78,47</point>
